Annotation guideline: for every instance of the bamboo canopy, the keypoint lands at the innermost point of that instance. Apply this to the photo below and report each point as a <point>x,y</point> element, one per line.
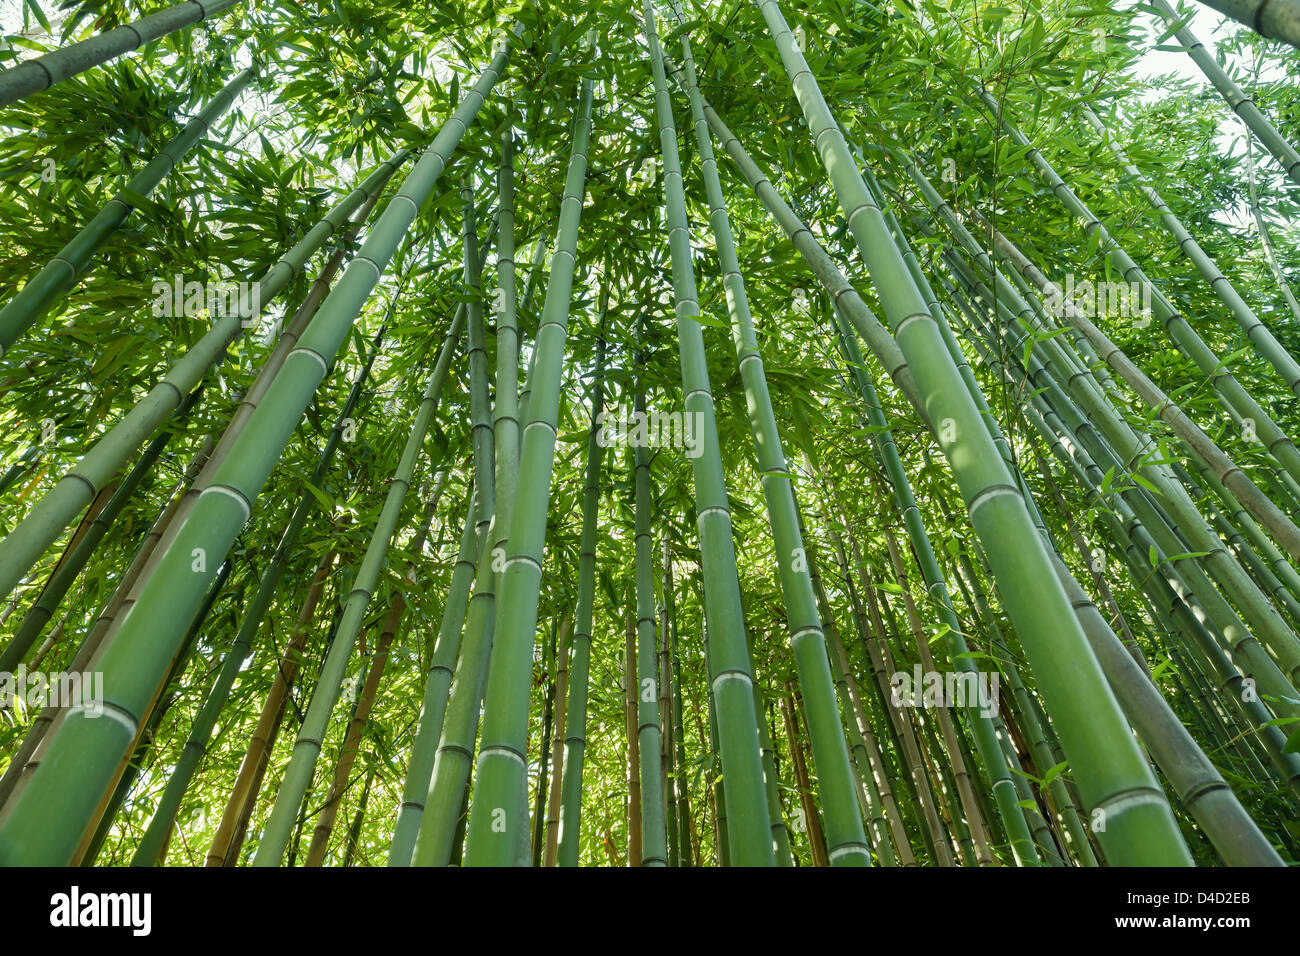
<point>657,434</point>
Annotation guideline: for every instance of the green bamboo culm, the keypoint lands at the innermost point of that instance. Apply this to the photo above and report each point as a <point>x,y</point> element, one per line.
<point>78,486</point>
<point>828,273</point>
<point>1232,395</point>
<point>306,749</point>
<point>1274,19</point>
<point>1133,447</point>
<point>67,571</point>
<point>160,826</point>
<point>978,722</point>
<point>1198,784</point>
<point>42,72</point>
<point>1256,332</point>
<point>48,818</point>
<point>649,732</point>
<point>575,719</point>
<point>845,836</point>
<point>38,296</point>
<point>442,663</point>
<point>496,814</point>
<point>468,573</point>
<point>481,503</point>
<point>1111,774</point>
<point>749,827</point>
<point>505,407</point>
<point>1240,104</point>
<point>442,818</point>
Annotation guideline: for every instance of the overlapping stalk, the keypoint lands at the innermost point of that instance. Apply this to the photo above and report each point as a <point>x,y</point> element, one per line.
<point>1224,468</point>
<point>980,724</point>
<point>1232,394</point>
<point>497,815</point>
<point>1257,333</point>
<point>419,768</point>
<point>441,821</point>
<point>1198,783</point>
<point>1237,101</point>
<point>575,721</point>
<point>1132,449</point>
<point>46,521</point>
<point>306,749</point>
<point>824,268</point>
<point>749,835</point>
<point>67,570</point>
<point>84,754</point>
<point>351,744</point>
<point>23,763</point>
<point>156,834</point>
<point>229,838</point>
<point>649,732</point>
<point>474,566</point>
<point>844,831</point>
<point>1111,774</point>
<point>1207,615</point>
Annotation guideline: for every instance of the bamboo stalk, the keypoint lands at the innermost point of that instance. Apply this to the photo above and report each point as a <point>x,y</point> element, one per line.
<point>38,296</point>
<point>42,72</point>
<point>495,814</point>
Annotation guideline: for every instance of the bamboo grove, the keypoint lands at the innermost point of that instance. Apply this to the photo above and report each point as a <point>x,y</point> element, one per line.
<point>649,434</point>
